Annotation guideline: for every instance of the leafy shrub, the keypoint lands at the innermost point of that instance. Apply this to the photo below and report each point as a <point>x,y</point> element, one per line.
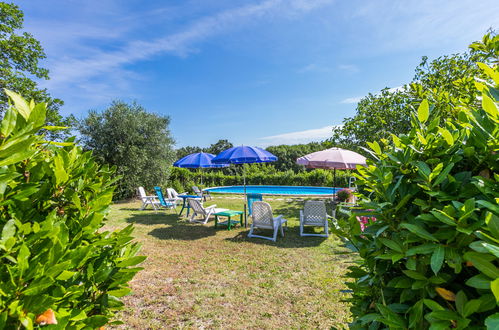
<point>55,259</point>
<point>432,256</point>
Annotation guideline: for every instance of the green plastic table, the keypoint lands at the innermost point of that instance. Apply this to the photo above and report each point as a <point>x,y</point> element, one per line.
<point>229,222</point>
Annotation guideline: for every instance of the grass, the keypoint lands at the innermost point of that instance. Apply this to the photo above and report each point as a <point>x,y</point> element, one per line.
<point>197,276</point>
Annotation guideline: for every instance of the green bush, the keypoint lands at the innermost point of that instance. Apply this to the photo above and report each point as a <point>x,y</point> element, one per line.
<point>431,258</point>
<point>54,254</point>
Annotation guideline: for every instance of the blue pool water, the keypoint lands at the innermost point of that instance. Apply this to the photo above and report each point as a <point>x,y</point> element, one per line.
<point>276,190</point>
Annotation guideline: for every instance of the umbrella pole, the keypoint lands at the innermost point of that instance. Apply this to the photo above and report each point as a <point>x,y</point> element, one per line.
<point>334,177</point>
<point>245,198</point>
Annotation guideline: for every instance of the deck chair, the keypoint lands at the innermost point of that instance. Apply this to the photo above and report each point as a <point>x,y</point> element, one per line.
<point>314,214</point>
<point>173,194</point>
<point>147,200</point>
<point>167,203</point>
<point>198,210</point>
<point>251,198</point>
<point>262,218</point>
<point>201,193</point>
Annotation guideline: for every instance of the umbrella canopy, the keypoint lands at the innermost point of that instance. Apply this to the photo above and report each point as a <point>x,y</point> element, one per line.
<point>336,158</point>
<point>198,160</point>
<point>244,154</point>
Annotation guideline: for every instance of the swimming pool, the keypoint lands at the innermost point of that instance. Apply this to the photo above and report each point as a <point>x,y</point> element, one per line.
<point>276,190</point>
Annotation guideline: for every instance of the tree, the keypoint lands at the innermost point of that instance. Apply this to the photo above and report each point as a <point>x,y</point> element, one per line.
<point>184,151</point>
<point>445,82</point>
<point>20,55</point>
<point>287,154</point>
<point>137,142</point>
<point>218,147</point>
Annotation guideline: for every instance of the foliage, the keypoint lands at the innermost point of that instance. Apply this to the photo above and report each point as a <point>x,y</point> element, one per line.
<point>20,55</point>
<point>54,256</point>
<point>138,143</point>
<point>445,82</point>
<point>432,256</point>
<point>215,149</point>
<point>344,194</point>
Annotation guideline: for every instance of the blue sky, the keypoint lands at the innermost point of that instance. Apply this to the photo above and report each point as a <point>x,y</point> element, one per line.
<point>258,72</point>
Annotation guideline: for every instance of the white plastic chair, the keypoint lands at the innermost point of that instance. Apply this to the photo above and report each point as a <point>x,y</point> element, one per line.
<point>198,210</point>
<point>262,218</point>
<point>172,194</point>
<point>201,193</point>
<point>314,214</point>
<point>148,200</point>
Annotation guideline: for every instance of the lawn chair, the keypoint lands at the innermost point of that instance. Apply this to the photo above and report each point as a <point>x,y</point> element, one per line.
<point>172,194</point>
<point>314,214</point>
<point>147,200</point>
<point>201,193</point>
<point>262,218</point>
<point>251,199</point>
<point>199,210</point>
<point>166,203</point>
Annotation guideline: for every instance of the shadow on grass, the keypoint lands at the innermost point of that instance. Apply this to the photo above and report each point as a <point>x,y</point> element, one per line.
<point>183,231</point>
<point>291,239</point>
<point>176,228</point>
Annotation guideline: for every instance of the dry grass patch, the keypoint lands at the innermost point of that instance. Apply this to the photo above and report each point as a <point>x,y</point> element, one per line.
<point>197,276</point>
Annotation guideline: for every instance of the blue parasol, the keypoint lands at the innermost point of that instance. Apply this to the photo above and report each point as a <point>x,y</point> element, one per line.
<point>198,160</point>
<point>244,155</point>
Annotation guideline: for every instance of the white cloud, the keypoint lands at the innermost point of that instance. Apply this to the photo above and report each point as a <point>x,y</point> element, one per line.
<point>351,100</point>
<point>306,136</point>
<point>77,69</point>
<point>349,68</point>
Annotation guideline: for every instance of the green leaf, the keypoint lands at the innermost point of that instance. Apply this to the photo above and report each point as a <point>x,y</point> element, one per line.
<point>433,305</point>
<point>489,106</point>
<point>418,231</point>
<point>120,292</point>
<point>492,322</point>
<point>471,307</point>
<point>461,301</point>
<point>444,217</point>
<point>20,104</point>
<point>424,169</point>
<point>479,281</point>
<point>390,317</point>
<point>8,230</point>
<point>481,263</point>
<point>437,259</point>
<point>447,136</point>
<point>414,274</point>
<point>60,173</point>
<point>491,248</point>
<point>131,261</point>
<point>423,111</point>
<point>421,249</point>
<point>8,122</point>
<point>38,115</point>
<point>494,286</point>
<point>391,244</point>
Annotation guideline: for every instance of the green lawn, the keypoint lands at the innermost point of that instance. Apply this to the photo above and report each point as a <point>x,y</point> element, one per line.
<point>197,276</point>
